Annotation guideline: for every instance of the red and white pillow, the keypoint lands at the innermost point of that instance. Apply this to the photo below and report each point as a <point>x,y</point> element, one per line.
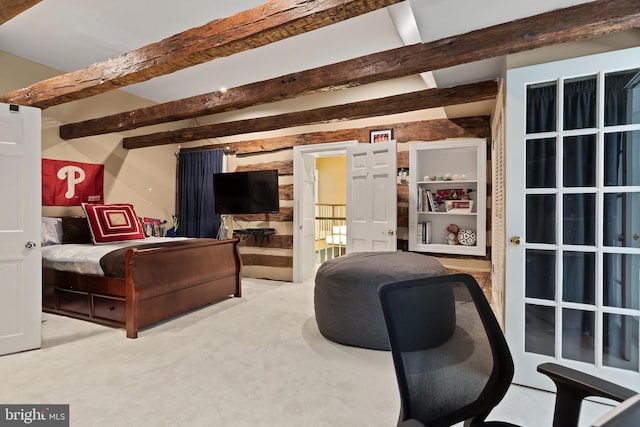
<point>112,223</point>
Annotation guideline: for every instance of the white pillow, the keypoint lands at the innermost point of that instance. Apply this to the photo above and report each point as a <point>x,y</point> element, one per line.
<point>51,231</point>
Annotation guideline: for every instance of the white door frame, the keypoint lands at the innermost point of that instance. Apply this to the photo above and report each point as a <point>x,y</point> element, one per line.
<point>300,199</point>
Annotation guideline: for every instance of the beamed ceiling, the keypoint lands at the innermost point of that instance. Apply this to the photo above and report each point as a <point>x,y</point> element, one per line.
<point>247,66</point>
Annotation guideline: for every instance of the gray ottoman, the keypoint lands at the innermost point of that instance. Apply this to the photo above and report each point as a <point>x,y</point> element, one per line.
<point>346,300</point>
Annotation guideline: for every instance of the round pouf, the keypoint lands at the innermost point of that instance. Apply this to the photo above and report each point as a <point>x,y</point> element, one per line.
<point>346,300</point>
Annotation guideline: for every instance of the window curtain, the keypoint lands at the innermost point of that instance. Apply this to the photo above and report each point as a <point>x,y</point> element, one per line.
<point>196,217</point>
<point>579,210</point>
<point>616,110</point>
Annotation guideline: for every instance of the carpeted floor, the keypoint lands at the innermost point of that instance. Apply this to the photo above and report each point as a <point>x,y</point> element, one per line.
<point>257,360</point>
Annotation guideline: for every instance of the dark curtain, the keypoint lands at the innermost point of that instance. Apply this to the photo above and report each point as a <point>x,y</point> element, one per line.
<point>541,108</point>
<point>616,110</point>
<point>579,210</point>
<point>578,216</point>
<point>541,172</point>
<point>196,217</point>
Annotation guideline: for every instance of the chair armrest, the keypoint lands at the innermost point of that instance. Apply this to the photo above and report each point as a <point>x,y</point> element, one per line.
<point>584,384</point>
<point>573,386</point>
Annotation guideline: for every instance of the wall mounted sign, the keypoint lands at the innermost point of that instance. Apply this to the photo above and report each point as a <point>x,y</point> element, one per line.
<point>66,183</point>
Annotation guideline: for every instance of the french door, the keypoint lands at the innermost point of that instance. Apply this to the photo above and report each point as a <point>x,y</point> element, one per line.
<point>573,217</point>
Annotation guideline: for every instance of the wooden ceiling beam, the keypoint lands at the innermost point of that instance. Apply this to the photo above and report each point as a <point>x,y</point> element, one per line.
<point>559,26</point>
<point>12,8</point>
<point>430,98</point>
<point>426,130</point>
<point>273,21</point>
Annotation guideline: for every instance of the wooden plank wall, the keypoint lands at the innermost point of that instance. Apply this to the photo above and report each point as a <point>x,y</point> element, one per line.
<point>272,257</point>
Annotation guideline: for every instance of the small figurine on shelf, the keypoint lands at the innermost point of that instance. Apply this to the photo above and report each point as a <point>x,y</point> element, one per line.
<point>452,235</point>
<point>402,177</point>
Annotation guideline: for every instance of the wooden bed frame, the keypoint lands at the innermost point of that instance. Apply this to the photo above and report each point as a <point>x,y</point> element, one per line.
<point>159,283</point>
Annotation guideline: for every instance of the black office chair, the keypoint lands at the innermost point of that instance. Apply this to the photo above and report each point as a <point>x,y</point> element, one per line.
<point>452,361</point>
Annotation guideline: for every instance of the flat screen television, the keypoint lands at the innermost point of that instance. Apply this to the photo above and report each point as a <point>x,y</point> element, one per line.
<point>249,192</point>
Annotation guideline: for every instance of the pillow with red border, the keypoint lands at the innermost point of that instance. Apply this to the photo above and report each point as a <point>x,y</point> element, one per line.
<point>112,223</point>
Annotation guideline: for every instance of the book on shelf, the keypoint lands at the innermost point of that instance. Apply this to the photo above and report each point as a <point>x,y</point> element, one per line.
<point>432,203</point>
<point>423,200</point>
<point>426,232</point>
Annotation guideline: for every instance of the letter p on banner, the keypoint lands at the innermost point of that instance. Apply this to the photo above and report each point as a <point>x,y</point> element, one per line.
<point>66,183</point>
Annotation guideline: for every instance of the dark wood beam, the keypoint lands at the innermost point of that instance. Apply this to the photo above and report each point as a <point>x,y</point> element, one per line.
<point>276,241</point>
<point>560,26</point>
<point>273,21</point>
<point>11,8</point>
<point>285,214</point>
<point>284,167</point>
<point>425,130</point>
<point>278,261</point>
<point>430,98</point>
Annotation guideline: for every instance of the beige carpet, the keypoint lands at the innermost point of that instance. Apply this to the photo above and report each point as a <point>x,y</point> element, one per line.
<point>257,360</point>
<point>254,361</point>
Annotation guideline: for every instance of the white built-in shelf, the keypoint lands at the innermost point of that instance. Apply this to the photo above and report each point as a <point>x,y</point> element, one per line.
<point>442,158</point>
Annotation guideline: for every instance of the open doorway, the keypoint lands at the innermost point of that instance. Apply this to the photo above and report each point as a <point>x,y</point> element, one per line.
<point>371,200</point>
<point>331,208</point>
<point>305,196</point>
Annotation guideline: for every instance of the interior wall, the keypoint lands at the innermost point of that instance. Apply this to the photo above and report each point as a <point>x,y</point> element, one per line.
<point>144,177</point>
<point>332,180</point>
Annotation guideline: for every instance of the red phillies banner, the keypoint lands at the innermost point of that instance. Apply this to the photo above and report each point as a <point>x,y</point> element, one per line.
<point>66,183</point>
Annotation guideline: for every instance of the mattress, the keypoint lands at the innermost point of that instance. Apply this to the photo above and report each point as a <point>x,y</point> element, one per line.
<point>85,258</point>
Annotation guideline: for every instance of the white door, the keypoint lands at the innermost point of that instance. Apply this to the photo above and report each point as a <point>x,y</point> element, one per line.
<point>304,197</point>
<point>371,197</point>
<point>20,253</point>
<point>307,215</point>
<point>573,218</point>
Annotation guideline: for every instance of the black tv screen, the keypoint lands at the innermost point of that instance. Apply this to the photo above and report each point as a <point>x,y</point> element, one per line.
<point>250,192</point>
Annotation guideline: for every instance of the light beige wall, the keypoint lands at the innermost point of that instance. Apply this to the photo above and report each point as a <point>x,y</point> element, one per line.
<point>332,180</point>
<point>145,177</point>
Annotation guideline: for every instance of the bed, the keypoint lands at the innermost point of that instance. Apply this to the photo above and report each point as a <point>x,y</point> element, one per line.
<point>138,283</point>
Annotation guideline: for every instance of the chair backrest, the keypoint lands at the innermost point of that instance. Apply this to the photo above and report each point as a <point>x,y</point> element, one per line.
<point>450,355</point>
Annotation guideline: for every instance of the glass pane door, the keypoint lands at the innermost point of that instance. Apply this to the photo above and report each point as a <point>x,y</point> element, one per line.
<point>577,285</point>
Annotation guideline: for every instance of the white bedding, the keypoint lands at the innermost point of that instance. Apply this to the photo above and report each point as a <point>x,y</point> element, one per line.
<point>85,258</point>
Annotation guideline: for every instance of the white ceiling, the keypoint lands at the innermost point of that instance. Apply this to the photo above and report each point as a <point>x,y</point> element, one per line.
<point>71,34</point>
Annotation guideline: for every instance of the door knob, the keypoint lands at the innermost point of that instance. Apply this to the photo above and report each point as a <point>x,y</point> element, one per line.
<point>30,245</point>
<point>515,240</point>
<point>388,232</point>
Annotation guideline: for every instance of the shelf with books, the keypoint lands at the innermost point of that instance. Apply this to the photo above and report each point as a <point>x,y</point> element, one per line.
<point>445,183</point>
<point>451,191</point>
